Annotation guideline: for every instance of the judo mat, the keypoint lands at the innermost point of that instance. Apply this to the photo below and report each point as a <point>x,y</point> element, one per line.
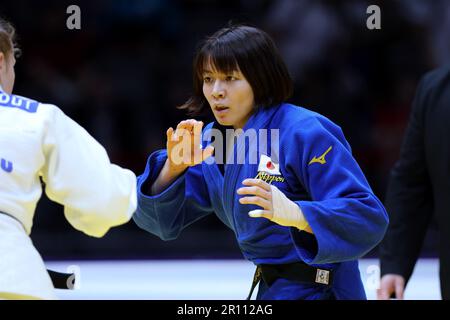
<point>204,279</point>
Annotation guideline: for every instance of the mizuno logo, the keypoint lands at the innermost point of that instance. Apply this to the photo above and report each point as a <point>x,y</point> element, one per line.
<point>320,159</point>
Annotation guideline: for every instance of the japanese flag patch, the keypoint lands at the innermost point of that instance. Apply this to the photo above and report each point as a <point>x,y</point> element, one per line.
<point>267,165</point>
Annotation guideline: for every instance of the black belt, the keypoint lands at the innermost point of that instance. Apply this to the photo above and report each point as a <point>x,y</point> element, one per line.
<point>60,280</point>
<point>296,271</point>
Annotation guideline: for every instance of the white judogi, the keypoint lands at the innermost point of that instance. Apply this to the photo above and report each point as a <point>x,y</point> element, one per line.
<point>39,140</point>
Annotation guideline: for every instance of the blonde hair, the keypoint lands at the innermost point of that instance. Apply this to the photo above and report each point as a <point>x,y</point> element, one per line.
<point>8,38</point>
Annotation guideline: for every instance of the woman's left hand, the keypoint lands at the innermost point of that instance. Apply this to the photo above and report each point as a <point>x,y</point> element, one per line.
<point>286,213</point>
<point>257,192</point>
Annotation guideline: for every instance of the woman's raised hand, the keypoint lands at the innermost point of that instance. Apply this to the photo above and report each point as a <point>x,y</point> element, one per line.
<point>184,145</point>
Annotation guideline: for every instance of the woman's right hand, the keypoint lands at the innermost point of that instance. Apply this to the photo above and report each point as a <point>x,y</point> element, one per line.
<point>184,145</point>
<point>391,284</point>
<point>184,150</point>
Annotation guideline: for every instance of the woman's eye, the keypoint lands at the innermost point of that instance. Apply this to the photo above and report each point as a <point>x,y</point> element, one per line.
<point>230,78</point>
<point>207,79</point>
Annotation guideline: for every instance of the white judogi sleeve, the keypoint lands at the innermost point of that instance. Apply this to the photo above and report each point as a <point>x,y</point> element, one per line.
<point>96,194</point>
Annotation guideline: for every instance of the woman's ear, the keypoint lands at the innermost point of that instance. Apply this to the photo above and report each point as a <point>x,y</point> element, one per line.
<point>2,66</point>
<point>2,61</point>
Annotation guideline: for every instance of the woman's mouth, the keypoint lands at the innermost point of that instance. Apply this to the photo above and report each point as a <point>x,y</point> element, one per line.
<point>221,109</point>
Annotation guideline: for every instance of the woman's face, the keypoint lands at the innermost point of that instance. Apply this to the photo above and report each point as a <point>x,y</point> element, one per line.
<point>7,74</point>
<point>230,96</point>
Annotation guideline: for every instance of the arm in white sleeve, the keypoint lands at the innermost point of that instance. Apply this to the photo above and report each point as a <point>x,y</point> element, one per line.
<point>96,194</point>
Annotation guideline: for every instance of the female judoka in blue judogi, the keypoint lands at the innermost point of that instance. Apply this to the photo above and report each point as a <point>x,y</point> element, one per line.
<point>300,207</point>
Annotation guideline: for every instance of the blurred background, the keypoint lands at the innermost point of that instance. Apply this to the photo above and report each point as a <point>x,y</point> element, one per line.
<point>123,74</point>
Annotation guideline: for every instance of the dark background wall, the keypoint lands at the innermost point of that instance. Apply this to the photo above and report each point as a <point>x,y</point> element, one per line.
<point>123,74</point>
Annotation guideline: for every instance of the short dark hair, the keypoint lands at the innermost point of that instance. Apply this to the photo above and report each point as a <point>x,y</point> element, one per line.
<point>253,52</point>
<point>8,38</point>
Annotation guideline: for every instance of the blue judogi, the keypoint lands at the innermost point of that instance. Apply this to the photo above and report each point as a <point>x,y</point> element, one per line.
<point>318,172</point>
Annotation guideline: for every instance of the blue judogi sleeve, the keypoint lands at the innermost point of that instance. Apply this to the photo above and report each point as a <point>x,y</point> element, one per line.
<point>347,219</point>
<point>182,203</point>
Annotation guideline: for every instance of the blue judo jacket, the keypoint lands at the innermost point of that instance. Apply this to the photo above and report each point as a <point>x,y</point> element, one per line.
<point>316,170</point>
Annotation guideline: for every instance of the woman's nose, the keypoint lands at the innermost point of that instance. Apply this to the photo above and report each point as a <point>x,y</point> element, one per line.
<point>218,90</point>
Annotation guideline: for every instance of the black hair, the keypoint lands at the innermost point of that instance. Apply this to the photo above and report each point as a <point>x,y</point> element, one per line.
<point>253,52</point>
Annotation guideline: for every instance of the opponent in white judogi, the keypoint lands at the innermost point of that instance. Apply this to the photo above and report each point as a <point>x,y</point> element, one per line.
<point>39,141</point>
